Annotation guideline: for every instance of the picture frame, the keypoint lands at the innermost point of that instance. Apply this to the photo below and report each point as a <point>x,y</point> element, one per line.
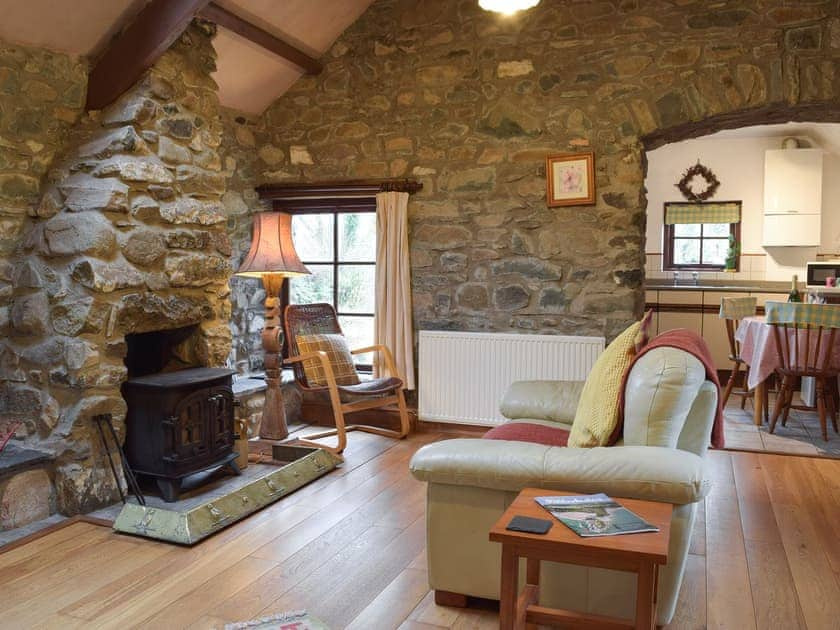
<point>570,179</point>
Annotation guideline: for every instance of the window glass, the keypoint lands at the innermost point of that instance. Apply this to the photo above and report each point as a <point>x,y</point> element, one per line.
<point>716,229</point>
<point>356,288</point>
<point>315,288</point>
<point>714,251</point>
<point>344,278</point>
<point>357,237</point>
<point>687,229</point>
<point>313,237</point>
<point>359,334</point>
<point>686,251</point>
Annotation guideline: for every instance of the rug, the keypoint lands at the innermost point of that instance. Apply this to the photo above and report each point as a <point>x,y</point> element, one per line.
<point>294,620</point>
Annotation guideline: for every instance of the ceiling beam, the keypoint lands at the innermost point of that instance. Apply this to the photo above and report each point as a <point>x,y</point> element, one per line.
<point>138,47</point>
<point>212,12</point>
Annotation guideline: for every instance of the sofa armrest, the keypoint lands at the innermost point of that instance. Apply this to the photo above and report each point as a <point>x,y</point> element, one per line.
<point>542,400</point>
<point>637,472</point>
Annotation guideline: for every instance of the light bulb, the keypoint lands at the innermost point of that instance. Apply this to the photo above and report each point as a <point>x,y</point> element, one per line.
<point>507,7</point>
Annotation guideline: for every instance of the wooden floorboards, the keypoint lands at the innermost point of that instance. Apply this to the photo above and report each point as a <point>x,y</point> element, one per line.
<point>350,547</point>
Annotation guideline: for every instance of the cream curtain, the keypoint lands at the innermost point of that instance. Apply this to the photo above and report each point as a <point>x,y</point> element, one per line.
<point>393,327</point>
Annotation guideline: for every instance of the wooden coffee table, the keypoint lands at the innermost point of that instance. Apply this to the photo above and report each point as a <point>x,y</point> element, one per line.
<point>637,553</point>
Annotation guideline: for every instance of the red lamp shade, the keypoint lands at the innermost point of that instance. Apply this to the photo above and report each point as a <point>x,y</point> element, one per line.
<point>272,249</point>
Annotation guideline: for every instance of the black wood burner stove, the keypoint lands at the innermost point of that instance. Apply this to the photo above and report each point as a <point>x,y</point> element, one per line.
<point>178,424</point>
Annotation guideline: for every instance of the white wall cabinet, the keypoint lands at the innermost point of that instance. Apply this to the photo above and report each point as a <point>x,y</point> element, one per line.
<point>792,197</point>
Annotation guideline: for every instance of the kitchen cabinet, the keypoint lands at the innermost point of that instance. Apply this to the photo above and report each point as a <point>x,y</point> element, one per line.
<point>652,302</point>
<point>793,181</point>
<point>679,309</point>
<point>714,328</point>
<point>668,320</point>
<point>698,310</point>
<point>761,298</point>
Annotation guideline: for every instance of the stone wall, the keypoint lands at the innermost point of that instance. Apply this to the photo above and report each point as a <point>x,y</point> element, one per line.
<point>128,236</point>
<point>242,135</point>
<point>470,103</point>
<point>42,95</point>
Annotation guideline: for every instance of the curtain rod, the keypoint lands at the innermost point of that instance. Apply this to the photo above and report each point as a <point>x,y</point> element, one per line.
<point>355,188</point>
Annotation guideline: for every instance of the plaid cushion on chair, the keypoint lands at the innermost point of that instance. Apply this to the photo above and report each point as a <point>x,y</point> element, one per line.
<point>341,361</point>
<point>802,315</point>
<point>737,307</point>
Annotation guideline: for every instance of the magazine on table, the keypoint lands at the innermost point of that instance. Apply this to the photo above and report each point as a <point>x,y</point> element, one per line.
<point>594,515</point>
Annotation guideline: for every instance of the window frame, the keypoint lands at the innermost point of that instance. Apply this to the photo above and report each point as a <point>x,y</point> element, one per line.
<point>668,249</point>
<point>335,207</point>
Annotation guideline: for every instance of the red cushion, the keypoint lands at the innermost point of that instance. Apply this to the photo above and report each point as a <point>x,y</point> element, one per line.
<point>527,432</point>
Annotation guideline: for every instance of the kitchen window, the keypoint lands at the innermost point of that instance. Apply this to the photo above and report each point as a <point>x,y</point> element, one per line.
<point>697,235</point>
<point>339,248</point>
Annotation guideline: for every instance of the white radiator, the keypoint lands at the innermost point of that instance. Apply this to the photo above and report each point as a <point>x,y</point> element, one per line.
<point>463,376</point>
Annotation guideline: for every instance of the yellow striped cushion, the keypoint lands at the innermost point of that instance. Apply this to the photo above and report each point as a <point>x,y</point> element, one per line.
<point>341,361</point>
<point>597,412</point>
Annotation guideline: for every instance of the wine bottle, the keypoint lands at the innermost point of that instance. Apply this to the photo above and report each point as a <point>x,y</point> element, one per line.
<point>794,295</point>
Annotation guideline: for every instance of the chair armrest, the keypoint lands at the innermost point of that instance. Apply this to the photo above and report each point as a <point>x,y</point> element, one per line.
<point>542,400</point>
<point>318,355</point>
<point>386,354</point>
<point>638,472</point>
<point>374,348</point>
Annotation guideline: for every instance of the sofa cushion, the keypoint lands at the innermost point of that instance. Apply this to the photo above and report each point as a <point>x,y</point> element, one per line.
<point>529,432</point>
<point>597,413</point>
<point>338,354</point>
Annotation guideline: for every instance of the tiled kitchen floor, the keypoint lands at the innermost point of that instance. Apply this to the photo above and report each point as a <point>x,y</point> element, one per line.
<point>801,436</point>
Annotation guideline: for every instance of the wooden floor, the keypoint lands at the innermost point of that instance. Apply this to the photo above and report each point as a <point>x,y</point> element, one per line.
<point>350,548</point>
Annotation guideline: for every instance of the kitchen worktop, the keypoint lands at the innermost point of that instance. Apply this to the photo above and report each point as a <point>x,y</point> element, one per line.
<point>712,285</point>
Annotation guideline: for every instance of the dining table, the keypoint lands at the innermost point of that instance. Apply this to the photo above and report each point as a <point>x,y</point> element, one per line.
<point>758,350</point>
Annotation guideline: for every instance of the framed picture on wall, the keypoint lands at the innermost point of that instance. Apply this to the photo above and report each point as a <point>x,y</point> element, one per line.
<point>570,179</point>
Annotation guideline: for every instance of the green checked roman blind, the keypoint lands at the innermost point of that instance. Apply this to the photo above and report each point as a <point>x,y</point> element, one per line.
<point>723,212</point>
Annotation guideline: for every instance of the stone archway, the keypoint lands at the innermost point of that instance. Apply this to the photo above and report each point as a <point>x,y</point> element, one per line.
<point>826,111</point>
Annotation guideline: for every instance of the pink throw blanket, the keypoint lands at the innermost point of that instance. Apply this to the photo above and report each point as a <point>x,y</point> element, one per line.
<point>692,343</point>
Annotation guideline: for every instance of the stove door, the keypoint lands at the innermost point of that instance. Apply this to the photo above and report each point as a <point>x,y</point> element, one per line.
<point>191,432</point>
<point>220,414</point>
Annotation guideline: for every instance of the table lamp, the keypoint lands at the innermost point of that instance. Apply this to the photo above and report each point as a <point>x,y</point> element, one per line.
<point>272,258</point>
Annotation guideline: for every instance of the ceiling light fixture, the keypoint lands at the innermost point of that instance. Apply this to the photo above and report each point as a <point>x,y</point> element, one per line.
<point>507,7</point>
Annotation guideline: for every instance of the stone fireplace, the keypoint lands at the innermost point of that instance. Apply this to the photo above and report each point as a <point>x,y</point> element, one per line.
<point>123,268</point>
<point>161,351</point>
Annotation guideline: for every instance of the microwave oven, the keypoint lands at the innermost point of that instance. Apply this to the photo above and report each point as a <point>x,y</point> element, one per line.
<point>817,272</point>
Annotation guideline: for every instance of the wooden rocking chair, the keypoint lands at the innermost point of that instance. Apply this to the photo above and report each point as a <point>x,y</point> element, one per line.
<point>303,320</point>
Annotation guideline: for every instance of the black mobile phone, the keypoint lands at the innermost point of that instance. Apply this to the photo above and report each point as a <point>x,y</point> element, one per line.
<point>529,525</point>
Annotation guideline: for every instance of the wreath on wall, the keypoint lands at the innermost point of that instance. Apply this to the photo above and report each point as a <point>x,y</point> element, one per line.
<point>686,189</point>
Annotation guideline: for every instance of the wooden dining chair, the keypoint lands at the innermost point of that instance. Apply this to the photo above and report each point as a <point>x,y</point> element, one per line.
<point>322,363</point>
<point>732,311</point>
<point>804,335</point>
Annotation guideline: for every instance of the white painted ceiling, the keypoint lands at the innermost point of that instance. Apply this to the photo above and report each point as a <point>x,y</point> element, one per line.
<point>823,135</point>
<point>249,77</point>
<point>77,27</point>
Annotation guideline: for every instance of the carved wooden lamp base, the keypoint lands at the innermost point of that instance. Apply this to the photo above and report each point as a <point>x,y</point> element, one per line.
<point>272,258</point>
<point>273,425</point>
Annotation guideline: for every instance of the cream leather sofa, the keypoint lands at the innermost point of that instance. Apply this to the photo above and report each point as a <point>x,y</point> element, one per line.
<point>669,412</point>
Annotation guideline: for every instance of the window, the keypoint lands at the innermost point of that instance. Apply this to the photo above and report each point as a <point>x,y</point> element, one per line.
<point>692,241</point>
<point>339,248</point>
